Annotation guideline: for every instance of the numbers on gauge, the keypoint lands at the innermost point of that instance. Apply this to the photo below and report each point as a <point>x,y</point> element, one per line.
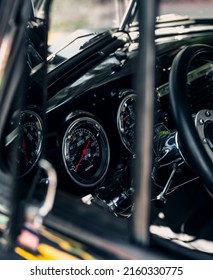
<point>85,151</point>
<point>126,122</point>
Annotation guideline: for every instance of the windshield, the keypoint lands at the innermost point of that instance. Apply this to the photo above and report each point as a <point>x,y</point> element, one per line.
<point>95,16</point>
<point>100,15</point>
<point>69,32</point>
<point>190,8</point>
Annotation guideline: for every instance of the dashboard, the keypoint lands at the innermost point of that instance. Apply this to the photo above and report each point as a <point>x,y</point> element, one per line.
<point>90,129</point>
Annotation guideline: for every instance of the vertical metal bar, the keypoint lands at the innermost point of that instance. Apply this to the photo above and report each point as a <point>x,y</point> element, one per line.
<point>129,14</point>
<point>12,65</point>
<point>145,119</point>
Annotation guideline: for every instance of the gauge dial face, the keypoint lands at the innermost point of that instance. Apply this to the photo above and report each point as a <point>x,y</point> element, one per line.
<point>28,137</point>
<point>85,151</point>
<point>126,122</point>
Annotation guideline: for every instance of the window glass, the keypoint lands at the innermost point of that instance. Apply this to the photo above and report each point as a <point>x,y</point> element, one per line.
<point>191,8</point>
<point>92,15</point>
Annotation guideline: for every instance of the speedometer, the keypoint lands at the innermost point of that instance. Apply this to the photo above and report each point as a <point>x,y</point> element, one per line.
<point>28,138</point>
<point>126,122</point>
<point>85,151</point>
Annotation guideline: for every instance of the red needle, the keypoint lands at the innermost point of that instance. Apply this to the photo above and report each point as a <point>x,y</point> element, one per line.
<point>124,119</point>
<point>82,155</point>
<point>23,144</point>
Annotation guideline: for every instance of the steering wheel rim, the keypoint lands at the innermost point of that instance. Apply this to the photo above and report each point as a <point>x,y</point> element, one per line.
<point>187,131</point>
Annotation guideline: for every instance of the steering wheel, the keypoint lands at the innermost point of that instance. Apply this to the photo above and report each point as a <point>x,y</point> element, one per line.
<point>195,134</point>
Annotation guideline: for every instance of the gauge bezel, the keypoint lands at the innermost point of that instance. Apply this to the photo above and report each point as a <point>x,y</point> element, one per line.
<point>125,100</point>
<point>39,125</point>
<point>95,128</point>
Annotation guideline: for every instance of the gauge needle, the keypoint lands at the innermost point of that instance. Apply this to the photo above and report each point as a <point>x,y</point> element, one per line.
<point>23,144</point>
<point>83,154</point>
<point>124,119</point>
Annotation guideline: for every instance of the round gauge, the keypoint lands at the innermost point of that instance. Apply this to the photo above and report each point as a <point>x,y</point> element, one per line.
<point>28,137</point>
<point>30,141</point>
<point>126,122</point>
<point>85,151</point>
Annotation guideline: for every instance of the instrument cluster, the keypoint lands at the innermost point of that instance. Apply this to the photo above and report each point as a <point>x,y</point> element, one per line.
<point>87,141</point>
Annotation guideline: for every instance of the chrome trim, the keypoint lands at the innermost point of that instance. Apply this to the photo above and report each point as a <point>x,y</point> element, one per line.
<point>192,76</point>
<point>201,118</point>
